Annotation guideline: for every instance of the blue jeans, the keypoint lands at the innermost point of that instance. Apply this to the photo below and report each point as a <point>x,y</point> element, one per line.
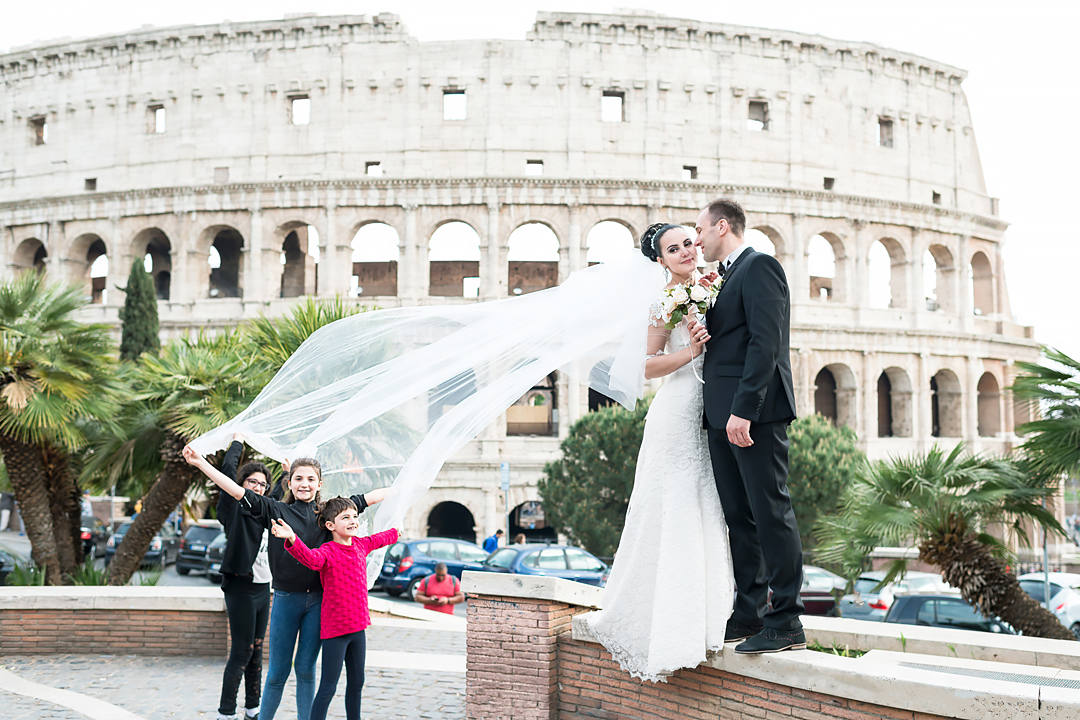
<point>292,614</point>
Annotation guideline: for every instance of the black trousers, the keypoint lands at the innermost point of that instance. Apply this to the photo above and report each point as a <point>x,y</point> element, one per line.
<point>350,650</point>
<point>765,547</point>
<point>248,607</point>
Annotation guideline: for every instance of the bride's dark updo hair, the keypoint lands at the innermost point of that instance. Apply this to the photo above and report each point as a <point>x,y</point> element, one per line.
<point>650,236</point>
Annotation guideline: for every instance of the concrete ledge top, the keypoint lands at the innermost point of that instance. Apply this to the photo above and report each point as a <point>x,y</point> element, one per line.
<point>532,587</point>
<point>954,687</point>
<point>868,635</point>
<point>417,612</point>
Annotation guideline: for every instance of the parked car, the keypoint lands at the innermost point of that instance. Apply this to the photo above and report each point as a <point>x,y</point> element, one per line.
<point>869,603</point>
<point>410,561</point>
<point>193,545</point>
<point>1064,596</point>
<point>946,610</point>
<point>563,561</point>
<point>7,565</point>
<point>215,552</point>
<point>164,547</point>
<point>94,534</point>
<point>815,578</point>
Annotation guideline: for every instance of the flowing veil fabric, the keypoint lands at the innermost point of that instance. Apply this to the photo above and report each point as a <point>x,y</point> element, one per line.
<point>386,397</point>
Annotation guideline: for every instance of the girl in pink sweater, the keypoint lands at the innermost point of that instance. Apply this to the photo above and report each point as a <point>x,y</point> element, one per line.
<point>342,567</point>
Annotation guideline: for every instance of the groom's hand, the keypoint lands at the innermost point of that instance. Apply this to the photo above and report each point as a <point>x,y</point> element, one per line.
<point>738,432</point>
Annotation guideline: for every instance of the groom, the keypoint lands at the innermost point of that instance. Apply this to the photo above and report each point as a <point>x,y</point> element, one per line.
<point>748,405</point>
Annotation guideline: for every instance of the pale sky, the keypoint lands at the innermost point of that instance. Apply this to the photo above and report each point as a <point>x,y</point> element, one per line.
<point>1022,87</point>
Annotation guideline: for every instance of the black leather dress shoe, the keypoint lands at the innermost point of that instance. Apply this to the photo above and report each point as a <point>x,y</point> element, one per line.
<point>771,640</point>
<point>737,632</point>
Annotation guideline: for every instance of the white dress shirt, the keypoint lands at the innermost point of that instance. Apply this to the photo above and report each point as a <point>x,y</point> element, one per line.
<point>730,259</point>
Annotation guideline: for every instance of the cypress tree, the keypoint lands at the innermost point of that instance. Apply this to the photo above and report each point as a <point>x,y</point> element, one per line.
<point>139,315</point>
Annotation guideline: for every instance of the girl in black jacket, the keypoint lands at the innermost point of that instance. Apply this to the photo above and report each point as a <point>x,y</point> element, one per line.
<point>294,619</point>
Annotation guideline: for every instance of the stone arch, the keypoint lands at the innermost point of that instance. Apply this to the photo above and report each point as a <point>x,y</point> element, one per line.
<point>946,404</point>
<point>886,274</point>
<point>376,251</point>
<point>825,260</point>
<point>532,258</point>
<point>88,261</point>
<point>835,392</point>
<point>989,405</point>
<point>31,253</point>
<point>299,259</point>
<point>607,238</point>
<point>939,277</point>
<point>894,403</point>
<point>982,284</point>
<point>454,260</point>
<point>528,519</point>
<point>152,244</point>
<point>452,520</point>
<point>225,252</point>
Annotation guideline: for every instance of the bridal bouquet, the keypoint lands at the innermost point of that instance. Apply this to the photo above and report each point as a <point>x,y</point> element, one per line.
<point>692,299</point>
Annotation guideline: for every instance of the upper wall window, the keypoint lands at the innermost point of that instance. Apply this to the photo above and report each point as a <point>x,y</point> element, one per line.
<point>613,106</point>
<point>757,119</point>
<point>39,129</point>
<point>155,119</point>
<point>453,105</point>
<point>534,168</point>
<point>689,172</point>
<point>299,109</point>
<point>885,132</point>
<point>373,169</point>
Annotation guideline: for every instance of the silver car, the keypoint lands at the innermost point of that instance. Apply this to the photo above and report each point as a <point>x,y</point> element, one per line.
<point>1064,596</point>
<point>867,602</point>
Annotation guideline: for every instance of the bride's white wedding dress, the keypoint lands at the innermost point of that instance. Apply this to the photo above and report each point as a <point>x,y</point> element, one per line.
<point>671,588</point>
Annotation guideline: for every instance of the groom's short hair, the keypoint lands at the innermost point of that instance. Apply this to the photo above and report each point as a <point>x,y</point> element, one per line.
<point>728,210</point>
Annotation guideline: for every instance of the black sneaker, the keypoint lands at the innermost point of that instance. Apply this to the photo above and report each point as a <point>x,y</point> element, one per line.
<point>771,640</point>
<point>737,632</point>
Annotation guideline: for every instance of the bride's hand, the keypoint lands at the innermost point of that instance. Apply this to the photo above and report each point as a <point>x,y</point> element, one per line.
<point>699,335</point>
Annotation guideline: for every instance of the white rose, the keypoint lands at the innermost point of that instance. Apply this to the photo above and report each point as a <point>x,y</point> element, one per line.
<point>698,293</point>
<point>679,295</point>
<point>669,305</point>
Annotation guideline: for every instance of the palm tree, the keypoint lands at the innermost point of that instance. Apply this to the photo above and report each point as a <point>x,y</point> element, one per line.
<point>1052,390</point>
<point>54,373</point>
<point>276,339</point>
<point>943,503</point>
<point>192,386</point>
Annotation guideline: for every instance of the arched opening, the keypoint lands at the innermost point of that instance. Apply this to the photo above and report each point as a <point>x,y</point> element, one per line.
<point>533,258</point>
<point>451,520</point>
<point>156,250</point>
<point>98,260</point>
<point>30,254</point>
<point>822,255</point>
<point>946,408</point>
<point>536,412</point>
<point>607,240</point>
<point>375,256</point>
<point>454,255</point>
<point>825,395</point>
<point>938,272</point>
<point>894,416</point>
<point>982,285</point>
<point>760,241</point>
<point>449,393</point>
<point>299,260</point>
<point>886,274</point>
<point>989,400</point>
<point>528,519</point>
<point>225,261</point>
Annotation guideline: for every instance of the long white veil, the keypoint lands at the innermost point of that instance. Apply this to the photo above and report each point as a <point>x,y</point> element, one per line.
<point>386,397</point>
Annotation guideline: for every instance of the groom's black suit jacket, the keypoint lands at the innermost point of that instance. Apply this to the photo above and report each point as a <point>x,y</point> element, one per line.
<point>747,364</point>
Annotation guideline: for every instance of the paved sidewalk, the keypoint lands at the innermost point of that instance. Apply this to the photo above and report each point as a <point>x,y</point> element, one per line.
<point>413,672</point>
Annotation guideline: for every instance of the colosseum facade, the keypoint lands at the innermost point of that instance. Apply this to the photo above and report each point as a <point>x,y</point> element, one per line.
<point>252,163</point>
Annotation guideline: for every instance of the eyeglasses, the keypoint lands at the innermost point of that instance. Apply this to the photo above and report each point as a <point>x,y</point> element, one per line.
<point>255,483</point>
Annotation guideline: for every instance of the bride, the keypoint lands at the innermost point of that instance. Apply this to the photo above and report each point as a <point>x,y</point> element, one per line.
<point>671,588</point>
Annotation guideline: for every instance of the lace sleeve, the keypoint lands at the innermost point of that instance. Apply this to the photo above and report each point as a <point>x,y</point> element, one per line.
<point>656,314</point>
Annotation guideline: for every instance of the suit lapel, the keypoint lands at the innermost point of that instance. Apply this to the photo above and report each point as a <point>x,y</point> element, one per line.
<point>734,266</point>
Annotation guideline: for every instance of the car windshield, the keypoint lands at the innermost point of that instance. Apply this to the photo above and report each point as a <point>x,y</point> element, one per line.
<point>866,584</point>
<point>199,534</point>
<point>581,560</point>
<point>469,553</point>
<point>123,528</point>
<point>501,558</point>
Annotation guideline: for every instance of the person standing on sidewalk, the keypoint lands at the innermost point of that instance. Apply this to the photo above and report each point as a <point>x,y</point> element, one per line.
<point>491,543</point>
<point>440,591</point>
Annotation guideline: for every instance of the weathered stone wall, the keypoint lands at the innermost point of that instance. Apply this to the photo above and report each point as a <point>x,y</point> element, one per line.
<point>232,173</point>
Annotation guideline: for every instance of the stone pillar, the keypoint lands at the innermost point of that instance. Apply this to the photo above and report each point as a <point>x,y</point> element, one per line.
<point>857,292</point>
<point>191,273</point>
<point>867,429</point>
<point>493,266</point>
<point>413,268</point>
<point>916,291</point>
<point>1008,406</point>
<point>920,406</point>
<point>969,399</point>
<point>962,285</point>
<point>335,259</point>
<point>799,280</point>
<point>572,256</point>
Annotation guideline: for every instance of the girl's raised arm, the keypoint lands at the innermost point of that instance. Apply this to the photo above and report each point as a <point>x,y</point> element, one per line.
<point>219,478</point>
